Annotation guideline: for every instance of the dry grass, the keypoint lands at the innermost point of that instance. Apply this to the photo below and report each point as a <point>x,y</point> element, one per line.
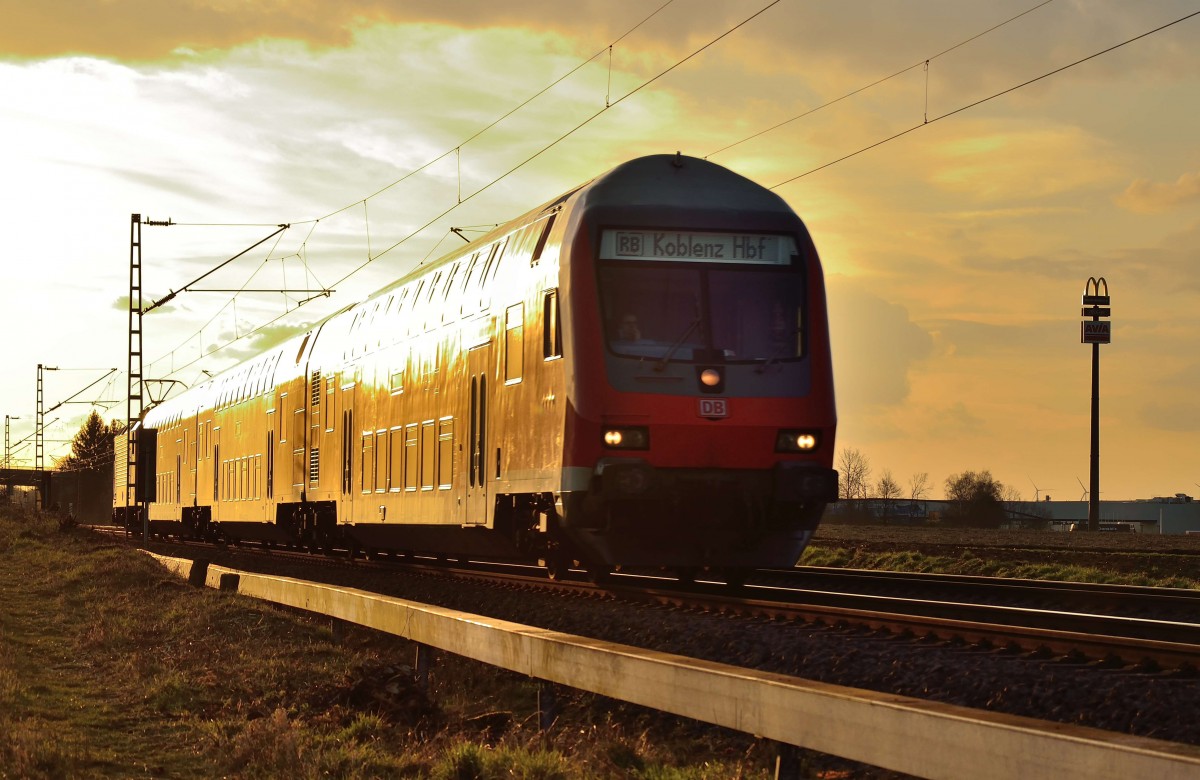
<point>109,667</point>
<point>1114,558</point>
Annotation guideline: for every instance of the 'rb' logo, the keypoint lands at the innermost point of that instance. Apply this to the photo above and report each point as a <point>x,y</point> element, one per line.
<point>629,244</point>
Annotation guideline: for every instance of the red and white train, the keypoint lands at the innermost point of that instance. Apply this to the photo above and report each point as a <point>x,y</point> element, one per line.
<point>636,373</point>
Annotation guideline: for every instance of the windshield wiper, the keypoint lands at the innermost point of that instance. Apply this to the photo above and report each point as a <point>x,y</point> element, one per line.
<point>662,363</point>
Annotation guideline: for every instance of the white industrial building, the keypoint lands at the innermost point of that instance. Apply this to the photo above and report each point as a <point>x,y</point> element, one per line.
<point>1178,514</point>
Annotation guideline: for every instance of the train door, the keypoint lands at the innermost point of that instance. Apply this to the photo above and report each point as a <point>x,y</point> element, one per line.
<point>192,457</point>
<point>217,514</point>
<point>282,462</point>
<point>479,364</point>
<point>270,446</point>
<point>348,448</point>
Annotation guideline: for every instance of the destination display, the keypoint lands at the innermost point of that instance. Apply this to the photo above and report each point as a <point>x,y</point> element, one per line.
<point>696,247</point>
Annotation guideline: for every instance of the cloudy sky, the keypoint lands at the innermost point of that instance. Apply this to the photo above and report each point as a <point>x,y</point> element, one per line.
<point>955,253</point>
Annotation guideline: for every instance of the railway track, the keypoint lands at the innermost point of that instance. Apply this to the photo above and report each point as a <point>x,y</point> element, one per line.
<point>1121,626</point>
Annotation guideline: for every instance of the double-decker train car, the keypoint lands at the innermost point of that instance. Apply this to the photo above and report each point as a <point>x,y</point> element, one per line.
<point>637,373</point>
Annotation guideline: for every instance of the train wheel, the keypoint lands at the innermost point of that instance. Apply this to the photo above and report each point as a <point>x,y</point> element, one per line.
<point>599,574</point>
<point>736,577</point>
<point>557,567</point>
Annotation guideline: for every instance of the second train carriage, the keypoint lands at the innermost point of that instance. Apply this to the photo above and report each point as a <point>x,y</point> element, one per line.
<point>637,373</point>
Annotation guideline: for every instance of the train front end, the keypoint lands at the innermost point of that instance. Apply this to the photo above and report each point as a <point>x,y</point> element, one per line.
<point>701,424</point>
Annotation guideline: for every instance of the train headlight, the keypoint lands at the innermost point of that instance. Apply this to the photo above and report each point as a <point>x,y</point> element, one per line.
<point>710,377</point>
<point>630,438</point>
<point>797,441</point>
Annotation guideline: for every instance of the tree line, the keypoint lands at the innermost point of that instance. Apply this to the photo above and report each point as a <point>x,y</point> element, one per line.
<point>92,447</point>
<point>973,497</point>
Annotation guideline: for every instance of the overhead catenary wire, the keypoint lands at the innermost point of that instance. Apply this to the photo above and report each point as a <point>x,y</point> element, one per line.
<point>610,103</point>
<point>560,139</point>
<point>455,150</point>
<point>925,63</point>
<point>458,147</point>
<point>981,101</point>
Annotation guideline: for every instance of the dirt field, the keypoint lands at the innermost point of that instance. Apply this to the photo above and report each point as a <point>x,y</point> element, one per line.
<point>1144,559</point>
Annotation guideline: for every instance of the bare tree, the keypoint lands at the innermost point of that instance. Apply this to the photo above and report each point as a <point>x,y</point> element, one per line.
<point>888,490</point>
<point>918,486</point>
<point>855,471</point>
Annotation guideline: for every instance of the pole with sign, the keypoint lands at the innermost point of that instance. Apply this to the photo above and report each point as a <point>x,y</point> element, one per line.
<point>1095,331</point>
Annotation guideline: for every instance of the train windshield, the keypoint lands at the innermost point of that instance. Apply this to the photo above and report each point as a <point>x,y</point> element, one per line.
<point>703,310</point>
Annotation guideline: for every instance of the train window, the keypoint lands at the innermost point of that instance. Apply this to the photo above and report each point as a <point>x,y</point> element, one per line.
<point>428,455</point>
<point>514,343</point>
<point>368,462</point>
<point>413,319</point>
<point>395,459</point>
<point>445,453</point>
<point>412,457</point>
<point>431,316</point>
<point>677,312</point>
<point>541,242</point>
<point>472,265</point>
<point>298,428</point>
<point>489,270</point>
<point>493,253</point>
<point>381,462</point>
<point>448,294</point>
<point>758,315</point>
<point>396,375</point>
<point>551,326</point>
<point>401,299</point>
<point>303,344</point>
<point>282,428</point>
<point>257,477</point>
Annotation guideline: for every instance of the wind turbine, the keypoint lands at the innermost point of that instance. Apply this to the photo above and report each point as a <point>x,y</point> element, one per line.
<point>1037,494</point>
<point>1085,490</point>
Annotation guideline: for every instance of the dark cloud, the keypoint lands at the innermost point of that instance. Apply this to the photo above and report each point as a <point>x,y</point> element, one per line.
<point>875,345</point>
<point>968,338</point>
<point>147,29</point>
<point>1147,197</point>
<point>866,38</point>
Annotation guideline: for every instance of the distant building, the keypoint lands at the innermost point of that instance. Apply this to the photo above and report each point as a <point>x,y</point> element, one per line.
<point>1177,514</point>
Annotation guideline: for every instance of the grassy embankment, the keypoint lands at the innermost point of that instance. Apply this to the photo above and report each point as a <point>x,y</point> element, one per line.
<point>109,667</point>
<point>1122,559</point>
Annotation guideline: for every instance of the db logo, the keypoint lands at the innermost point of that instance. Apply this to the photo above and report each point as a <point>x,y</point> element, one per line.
<point>714,407</point>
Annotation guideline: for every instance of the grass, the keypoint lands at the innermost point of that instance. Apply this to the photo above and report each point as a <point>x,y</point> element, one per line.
<point>110,667</point>
<point>1133,569</point>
